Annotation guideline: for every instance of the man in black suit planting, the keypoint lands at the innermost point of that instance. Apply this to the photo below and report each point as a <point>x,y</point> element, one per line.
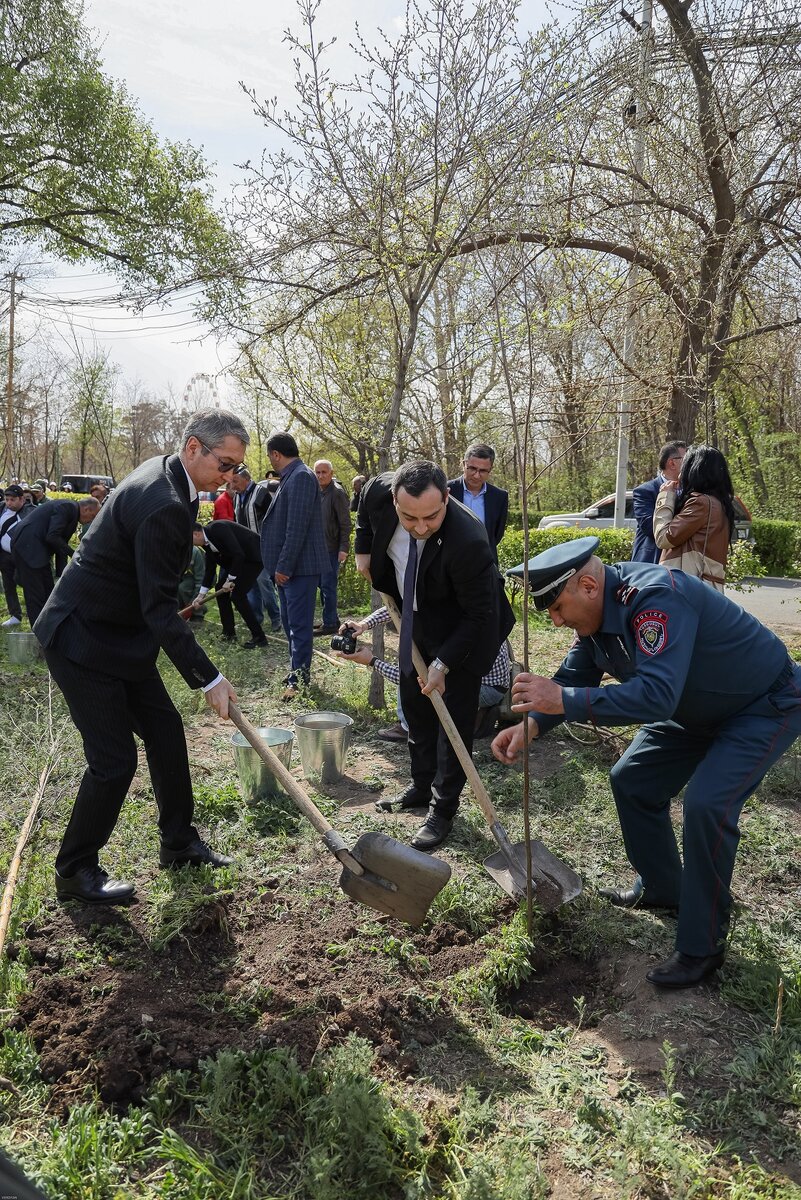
<point>414,542</point>
<point>102,629</point>
<point>236,551</point>
<point>45,532</point>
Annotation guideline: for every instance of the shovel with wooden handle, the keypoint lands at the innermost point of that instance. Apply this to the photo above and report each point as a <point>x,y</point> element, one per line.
<point>378,871</point>
<point>186,613</point>
<point>556,882</point>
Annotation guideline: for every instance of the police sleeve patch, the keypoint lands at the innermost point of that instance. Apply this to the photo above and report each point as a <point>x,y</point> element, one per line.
<point>650,628</point>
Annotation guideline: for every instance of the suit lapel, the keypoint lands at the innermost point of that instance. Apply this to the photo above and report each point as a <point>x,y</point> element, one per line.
<point>430,554</point>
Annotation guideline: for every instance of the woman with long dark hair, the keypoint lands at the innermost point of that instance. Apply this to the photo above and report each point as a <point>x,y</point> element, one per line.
<point>694,517</point>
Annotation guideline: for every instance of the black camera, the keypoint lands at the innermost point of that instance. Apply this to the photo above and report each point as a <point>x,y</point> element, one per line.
<point>345,642</point>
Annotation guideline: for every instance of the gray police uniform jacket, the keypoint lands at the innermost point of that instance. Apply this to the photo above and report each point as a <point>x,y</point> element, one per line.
<point>680,650</point>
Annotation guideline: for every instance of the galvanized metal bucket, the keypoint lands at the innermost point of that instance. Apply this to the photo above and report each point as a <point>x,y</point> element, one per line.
<point>22,647</point>
<point>323,740</point>
<point>256,780</point>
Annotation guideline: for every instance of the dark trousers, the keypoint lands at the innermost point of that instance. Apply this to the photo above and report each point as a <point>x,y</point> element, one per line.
<point>108,712</point>
<point>36,583</point>
<point>263,599</point>
<point>297,598</point>
<point>720,768</point>
<point>238,599</point>
<point>329,582</point>
<point>10,585</point>
<point>435,767</point>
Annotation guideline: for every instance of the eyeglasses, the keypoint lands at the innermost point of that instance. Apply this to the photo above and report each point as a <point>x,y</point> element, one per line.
<point>223,465</point>
<point>477,470</point>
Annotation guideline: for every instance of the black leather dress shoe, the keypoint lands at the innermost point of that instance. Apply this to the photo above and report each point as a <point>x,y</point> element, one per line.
<point>635,898</point>
<point>91,885</point>
<point>432,832</point>
<point>195,854</point>
<point>411,798</point>
<point>685,970</point>
<point>252,643</point>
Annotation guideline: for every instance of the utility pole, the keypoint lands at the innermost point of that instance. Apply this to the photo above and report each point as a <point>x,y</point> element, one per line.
<point>641,119</point>
<point>10,379</point>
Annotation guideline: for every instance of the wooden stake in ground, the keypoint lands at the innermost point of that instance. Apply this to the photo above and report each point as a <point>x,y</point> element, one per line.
<point>22,841</point>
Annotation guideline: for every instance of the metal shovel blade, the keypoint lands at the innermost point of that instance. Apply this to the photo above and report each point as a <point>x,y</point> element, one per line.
<point>397,879</point>
<point>555,883</point>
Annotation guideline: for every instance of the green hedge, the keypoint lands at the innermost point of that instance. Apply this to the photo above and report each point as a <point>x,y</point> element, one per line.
<point>778,546</point>
<point>615,543</point>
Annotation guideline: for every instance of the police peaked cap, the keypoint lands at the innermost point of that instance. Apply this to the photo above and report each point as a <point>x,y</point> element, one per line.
<point>549,572</point>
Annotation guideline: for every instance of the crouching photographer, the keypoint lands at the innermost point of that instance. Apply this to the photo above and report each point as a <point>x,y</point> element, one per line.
<point>494,684</point>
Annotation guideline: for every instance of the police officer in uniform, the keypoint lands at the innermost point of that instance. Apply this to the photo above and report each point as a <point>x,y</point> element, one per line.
<point>720,700</point>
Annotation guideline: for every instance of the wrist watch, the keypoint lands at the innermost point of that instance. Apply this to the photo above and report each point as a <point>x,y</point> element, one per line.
<point>439,665</point>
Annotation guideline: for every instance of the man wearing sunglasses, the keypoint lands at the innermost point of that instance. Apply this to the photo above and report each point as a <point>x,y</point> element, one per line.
<point>110,614</point>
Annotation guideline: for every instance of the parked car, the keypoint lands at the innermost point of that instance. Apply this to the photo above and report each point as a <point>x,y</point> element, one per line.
<point>601,516</point>
<point>82,483</point>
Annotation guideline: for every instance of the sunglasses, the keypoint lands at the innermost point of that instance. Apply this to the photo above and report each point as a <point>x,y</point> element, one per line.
<point>223,465</point>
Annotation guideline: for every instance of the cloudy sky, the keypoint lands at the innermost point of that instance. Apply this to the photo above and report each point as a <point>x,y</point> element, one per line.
<point>182,63</point>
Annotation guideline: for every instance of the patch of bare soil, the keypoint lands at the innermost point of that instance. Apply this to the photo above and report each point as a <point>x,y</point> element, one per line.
<point>274,973</point>
<point>556,990</point>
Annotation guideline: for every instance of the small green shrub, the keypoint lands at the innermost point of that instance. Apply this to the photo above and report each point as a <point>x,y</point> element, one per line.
<point>353,590</point>
<point>615,543</point>
<point>743,563</point>
<point>778,546</point>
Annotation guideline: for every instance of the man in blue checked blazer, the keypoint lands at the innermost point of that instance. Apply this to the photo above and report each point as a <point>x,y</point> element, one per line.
<point>294,552</point>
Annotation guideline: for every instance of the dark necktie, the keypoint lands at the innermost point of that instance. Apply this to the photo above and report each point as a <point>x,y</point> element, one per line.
<point>407,612</point>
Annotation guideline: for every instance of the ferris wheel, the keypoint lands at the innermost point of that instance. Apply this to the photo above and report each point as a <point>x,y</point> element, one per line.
<point>201,392</point>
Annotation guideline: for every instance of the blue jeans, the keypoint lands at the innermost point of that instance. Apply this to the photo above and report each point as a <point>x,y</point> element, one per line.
<point>328,590</point>
<point>297,599</point>
<point>262,597</point>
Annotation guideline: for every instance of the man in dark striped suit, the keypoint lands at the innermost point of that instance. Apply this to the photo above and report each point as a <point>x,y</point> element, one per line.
<point>102,629</point>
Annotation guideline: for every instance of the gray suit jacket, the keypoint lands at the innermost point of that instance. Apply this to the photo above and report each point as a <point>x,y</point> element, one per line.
<point>116,604</point>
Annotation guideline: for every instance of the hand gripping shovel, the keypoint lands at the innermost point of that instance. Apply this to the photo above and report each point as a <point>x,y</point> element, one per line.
<point>186,613</point>
<point>378,871</point>
<point>556,882</point>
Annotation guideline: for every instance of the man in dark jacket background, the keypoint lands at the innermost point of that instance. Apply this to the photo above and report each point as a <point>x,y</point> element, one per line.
<point>645,548</point>
<point>10,515</point>
<point>487,502</point>
<point>251,502</point>
<point>46,531</point>
<point>336,527</point>
<point>102,628</point>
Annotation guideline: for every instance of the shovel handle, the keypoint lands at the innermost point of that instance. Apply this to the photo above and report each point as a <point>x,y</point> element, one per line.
<point>186,613</point>
<point>446,720</point>
<point>295,792</point>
